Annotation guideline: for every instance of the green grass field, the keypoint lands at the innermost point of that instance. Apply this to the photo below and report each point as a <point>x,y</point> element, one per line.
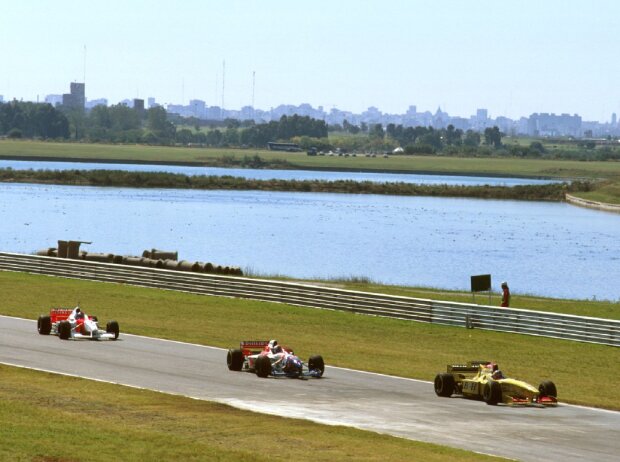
<point>51,418</point>
<point>42,413</point>
<point>434,164</point>
<point>415,350</point>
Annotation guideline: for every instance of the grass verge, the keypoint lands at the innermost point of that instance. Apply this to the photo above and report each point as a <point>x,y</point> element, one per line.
<point>388,346</point>
<point>49,417</point>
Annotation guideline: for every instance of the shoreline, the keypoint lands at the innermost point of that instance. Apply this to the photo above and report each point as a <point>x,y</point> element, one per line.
<point>590,204</point>
<point>278,167</point>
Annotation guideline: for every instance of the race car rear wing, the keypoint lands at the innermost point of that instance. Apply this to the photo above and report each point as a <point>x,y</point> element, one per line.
<point>59,314</point>
<point>252,347</point>
<point>470,368</point>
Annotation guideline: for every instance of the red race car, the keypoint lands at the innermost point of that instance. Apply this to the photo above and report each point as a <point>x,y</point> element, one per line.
<point>73,323</point>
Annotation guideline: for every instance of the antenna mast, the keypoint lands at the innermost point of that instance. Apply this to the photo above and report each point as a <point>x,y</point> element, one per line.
<point>223,84</point>
<point>253,89</point>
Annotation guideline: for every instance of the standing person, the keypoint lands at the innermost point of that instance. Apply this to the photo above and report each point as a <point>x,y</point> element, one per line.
<point>505,295</point>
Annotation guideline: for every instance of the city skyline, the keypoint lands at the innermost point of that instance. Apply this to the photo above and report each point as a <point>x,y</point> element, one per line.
<point>515,60</point>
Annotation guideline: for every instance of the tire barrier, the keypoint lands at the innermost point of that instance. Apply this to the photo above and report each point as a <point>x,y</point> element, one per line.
<point>465,315</point>
<point>156,254</point>
<point>146,260</point>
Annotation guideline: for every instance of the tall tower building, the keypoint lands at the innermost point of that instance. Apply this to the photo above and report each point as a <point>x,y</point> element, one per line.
<point>614,119</point>
<point>78,93</point>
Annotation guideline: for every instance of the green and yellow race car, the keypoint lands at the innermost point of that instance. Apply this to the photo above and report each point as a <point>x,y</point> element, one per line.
<point>483,380</point>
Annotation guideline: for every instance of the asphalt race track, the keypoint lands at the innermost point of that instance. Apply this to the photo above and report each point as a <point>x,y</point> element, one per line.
<point>401,407</point>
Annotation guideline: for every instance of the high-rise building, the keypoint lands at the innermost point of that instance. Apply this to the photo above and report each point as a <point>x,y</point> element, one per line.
<point>138,104</point>
<point>1,99</point>
<point>614,119</point>
<point>77,98</point>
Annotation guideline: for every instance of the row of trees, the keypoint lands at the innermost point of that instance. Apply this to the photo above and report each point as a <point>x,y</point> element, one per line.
<point>31,120</point>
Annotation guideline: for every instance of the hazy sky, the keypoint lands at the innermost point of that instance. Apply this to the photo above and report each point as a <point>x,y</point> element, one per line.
<point>511,57</point>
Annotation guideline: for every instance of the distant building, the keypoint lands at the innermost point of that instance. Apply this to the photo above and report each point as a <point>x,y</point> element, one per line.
<point>288,147</point>
<point>554,125</point>
<point>77,98</point>
<point>138,104</point>
<point>151,102</point>
<point>96,102</point>
<point>54,100</point>
<point>614,120</point>
<point>1,99</point>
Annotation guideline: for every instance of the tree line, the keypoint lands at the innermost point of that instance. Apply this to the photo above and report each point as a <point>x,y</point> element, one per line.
<point>122,124</point>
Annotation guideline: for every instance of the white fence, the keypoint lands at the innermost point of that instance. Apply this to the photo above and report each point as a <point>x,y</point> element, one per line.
<point>563,326</point>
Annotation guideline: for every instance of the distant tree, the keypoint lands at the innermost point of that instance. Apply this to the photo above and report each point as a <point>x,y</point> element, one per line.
<point>538,147</point>
<point>472,139</point>
<point>158,123</point>
<point>376,131</point>
<point>493,137</point>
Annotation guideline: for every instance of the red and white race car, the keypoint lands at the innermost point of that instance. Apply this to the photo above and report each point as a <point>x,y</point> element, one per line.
<point>73,323</point>
<point>267,357</point>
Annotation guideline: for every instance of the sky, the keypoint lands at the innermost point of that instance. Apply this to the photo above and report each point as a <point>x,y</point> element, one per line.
<point>512,57</point>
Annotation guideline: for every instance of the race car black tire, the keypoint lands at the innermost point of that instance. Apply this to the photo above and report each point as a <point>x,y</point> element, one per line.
<point>492,392</point>
<point>112,328</point>
<point>234,359</point>
<point>316,363</point>
<point>444,385</point>
<point>262,365</point>
<point>64,330</point>
<point>547,388</point>
<point>44,325</point>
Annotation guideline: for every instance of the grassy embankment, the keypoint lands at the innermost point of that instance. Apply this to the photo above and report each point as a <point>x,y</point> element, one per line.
<point>119,178</point>
<point>608,191</point>
<point>131,424</point>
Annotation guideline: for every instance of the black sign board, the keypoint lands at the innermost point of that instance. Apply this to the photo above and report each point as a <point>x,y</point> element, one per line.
<point>481,283</point>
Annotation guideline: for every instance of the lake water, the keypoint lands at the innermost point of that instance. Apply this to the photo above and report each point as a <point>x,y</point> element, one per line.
<point>550,249</point>
<point>266,174</point>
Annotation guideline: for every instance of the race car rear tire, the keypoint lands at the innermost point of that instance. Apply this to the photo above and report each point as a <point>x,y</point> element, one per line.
<point>444,385</point>
<point>44,325</point>
<point>234,359</point>
<point>547,388</point>
<point>262,365</point>
<point>492,392</point>
<point>316,363</point>
<point>112,328</point>
<point>64,330</point>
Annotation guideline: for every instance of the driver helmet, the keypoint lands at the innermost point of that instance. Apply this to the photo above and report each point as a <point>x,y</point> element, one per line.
<point>497,375</point>
<point>277,349</point>
<point>273,344</point>
<point>78,313</point>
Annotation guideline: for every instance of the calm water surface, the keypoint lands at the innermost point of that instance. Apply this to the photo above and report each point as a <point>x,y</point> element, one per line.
<point>264,174</point>
<point>547,249</point>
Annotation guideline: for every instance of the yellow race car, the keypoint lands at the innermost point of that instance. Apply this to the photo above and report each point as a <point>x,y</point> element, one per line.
<point>483,380</point>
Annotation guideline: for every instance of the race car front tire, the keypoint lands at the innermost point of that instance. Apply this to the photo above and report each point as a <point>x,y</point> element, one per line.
<point>112,328</point>
<point>444,385</point>
<point>262,365</point>
<point>64,330</point>
<point>234,360</point>
<point>44,325</point>
<point>547,388</point>
<point>316,363</point>
<point>492,392</point>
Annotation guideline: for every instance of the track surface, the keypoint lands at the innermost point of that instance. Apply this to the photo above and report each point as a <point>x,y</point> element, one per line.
<point>396,406</point>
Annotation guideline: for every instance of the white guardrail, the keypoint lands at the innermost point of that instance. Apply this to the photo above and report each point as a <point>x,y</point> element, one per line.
<point>562,326</point>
